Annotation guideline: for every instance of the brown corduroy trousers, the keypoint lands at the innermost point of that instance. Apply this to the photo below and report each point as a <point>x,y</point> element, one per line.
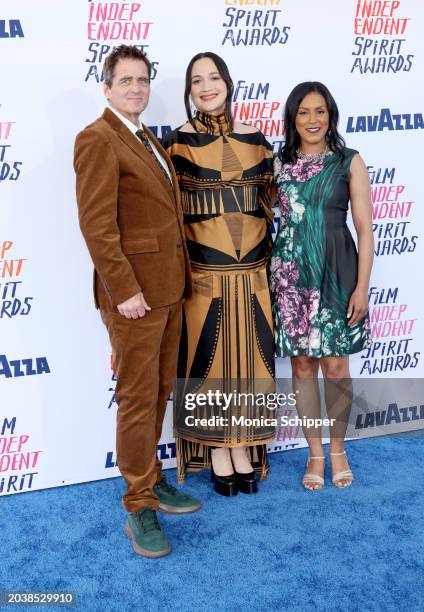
<point>145,353</point>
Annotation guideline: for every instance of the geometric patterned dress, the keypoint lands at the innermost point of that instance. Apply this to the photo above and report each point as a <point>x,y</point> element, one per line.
<point>226,182</point>
<point>314,262</point>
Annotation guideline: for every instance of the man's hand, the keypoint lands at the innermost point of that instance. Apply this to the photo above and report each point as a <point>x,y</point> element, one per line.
<point>134,308</point>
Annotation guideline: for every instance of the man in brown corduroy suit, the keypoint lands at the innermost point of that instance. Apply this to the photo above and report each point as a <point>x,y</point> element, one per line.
<point>131,218</point>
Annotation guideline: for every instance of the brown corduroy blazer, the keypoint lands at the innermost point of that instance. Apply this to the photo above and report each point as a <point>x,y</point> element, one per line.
<point>130,217</point>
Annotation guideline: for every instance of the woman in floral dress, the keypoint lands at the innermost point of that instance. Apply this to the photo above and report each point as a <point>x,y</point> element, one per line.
<point>319,283</point>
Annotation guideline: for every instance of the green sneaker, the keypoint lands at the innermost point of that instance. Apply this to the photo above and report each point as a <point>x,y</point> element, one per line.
<point>173,501</point>
<point>146,534</point>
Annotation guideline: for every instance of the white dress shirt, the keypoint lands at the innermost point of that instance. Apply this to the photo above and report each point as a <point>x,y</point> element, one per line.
<point>133,128</point>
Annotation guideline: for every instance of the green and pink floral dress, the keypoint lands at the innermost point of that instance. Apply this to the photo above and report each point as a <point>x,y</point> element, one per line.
<point>314,260</point>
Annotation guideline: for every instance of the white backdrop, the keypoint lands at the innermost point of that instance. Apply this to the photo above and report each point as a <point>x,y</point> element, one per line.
<point>57,414</point>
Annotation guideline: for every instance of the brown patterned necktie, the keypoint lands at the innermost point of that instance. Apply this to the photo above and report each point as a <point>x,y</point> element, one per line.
<point>145,140</point>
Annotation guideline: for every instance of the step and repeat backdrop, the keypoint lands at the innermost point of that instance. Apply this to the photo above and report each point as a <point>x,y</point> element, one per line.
<point>57,405</point>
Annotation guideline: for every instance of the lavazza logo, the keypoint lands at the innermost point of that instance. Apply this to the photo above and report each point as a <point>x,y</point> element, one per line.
<point>13,368</point>
<point>11,28</point>
<point>385,120</point>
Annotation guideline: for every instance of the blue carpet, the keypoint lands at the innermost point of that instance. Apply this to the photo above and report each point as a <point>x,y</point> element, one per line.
<point>285,548</point>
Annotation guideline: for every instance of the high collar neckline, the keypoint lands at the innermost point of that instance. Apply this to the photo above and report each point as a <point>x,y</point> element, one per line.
<point>212,124</point>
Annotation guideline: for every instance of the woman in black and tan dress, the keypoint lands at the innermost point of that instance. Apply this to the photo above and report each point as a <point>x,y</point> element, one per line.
<point>225,176</point>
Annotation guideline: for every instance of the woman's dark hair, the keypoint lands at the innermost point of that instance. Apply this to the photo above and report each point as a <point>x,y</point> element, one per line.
<point>288,154</point>
<point>224,74</point>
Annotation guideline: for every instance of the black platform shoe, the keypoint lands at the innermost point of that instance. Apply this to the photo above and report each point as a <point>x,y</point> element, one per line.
<point>246,483</point>
<point>224,485</point>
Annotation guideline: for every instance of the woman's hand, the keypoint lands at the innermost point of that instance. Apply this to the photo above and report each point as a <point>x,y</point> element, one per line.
<point>358,306</point>
<point>360,198</point>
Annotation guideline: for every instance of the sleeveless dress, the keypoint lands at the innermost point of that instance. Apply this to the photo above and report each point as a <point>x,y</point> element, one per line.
<point>314,260</point>
<point>226,182</point>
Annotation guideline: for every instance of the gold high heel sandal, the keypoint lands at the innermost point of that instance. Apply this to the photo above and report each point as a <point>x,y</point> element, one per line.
<point>310,478</point>
<point>342,475</point>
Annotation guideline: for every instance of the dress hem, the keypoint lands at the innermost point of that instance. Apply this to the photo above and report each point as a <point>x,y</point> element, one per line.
<point>256,442</point>
<point>320,356</point>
